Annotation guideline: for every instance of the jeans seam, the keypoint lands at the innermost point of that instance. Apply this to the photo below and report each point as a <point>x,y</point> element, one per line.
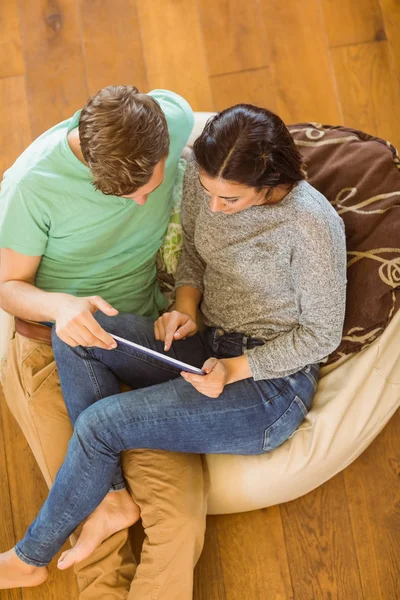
<point>310,378</point>
<point>270,398</point>
<point>295,402</point>
<point>93,379</point>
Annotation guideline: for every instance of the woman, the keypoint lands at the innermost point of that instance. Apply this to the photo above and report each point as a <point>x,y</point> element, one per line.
<point>264,257</point>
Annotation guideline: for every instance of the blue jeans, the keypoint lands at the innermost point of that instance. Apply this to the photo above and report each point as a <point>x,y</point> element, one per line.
<point>163,412</point>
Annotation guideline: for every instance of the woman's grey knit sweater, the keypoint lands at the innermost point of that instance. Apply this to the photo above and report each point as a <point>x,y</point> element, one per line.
<point>276,272</point>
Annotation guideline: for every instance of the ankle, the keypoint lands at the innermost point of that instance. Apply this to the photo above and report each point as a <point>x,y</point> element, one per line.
<point>25,567</point>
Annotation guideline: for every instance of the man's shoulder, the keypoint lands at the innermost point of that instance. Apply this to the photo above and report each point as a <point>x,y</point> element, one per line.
<point>177,110</point>
<point>42,156</point>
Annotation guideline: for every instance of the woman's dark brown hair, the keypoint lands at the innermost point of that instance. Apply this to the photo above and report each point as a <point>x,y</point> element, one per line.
<point>248,145</point>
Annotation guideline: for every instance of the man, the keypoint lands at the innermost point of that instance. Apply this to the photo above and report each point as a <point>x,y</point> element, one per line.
<point>83,212</point>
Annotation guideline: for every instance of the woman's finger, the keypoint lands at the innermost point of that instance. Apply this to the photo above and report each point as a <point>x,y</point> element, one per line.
<point>161,329</point>
<point>185,329</point>
<point>170,330</point>
<point>157,330</point>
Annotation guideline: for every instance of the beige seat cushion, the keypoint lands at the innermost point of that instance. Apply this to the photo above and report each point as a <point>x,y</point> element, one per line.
<point>353,403</point>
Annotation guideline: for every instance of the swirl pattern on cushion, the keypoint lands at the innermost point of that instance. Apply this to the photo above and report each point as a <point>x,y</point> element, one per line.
<point>360,176</point>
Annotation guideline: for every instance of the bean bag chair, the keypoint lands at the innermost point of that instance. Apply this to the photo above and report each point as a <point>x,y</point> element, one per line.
<point>359,388</point>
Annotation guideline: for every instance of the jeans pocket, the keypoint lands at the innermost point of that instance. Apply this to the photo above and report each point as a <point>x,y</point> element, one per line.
<point>277,433</point>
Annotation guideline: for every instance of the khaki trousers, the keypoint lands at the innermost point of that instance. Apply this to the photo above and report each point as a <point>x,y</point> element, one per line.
<point>170,489</point>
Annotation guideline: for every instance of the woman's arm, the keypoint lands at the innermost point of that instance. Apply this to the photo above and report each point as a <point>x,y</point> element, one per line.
<point>188,300</point>
<point>319,282</point>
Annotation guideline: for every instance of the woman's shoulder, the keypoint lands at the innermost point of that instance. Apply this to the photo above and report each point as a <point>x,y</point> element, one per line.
<point>191,166</point>
<point>313,207</point>
<point>191,184</point>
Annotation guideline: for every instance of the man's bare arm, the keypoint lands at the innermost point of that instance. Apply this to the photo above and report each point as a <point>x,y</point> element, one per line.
<point>73,316</point>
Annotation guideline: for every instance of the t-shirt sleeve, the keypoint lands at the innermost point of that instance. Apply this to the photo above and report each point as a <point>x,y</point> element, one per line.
<point>179,116</point>
<point>24,224</point>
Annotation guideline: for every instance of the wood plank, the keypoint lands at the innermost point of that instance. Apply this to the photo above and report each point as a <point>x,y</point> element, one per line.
<point>320,544</point>
<point>360,523</point>
<point>295,40</point>
<point>15,134</point>
<point>232,32</point>
<point>370,94</point>
<point>55,71</point>
<point>28,492</point>
<point>373,490</point>
<point>11,59</point>
<point>253,87</point>
<point>112,45</point>
<point>174,49</point>
<point>208,574</point>
<point>353,21</point>
<point>253,543</point>
<point>7,535</point>
<point>391,16</point>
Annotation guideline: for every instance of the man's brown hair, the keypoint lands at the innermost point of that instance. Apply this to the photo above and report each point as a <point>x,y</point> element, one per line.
<point>123,135</point>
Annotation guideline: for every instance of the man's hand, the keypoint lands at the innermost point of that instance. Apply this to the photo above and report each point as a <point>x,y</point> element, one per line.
<point>75,323</point>
<point>213,383</point>
<point>174,326</point>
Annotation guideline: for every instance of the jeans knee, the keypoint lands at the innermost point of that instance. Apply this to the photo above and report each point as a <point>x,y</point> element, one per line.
<point>85,425</point>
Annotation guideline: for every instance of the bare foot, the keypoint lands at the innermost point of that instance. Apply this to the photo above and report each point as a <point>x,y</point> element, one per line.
<point>14,573</point>
<point>116,512</point>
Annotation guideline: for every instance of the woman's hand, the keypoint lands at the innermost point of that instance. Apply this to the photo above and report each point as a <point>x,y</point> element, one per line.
<point>213,383</point>
<point>174,326</point>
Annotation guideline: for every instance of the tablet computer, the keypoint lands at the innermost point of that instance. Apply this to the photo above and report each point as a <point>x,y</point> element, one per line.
<point>162,357</point>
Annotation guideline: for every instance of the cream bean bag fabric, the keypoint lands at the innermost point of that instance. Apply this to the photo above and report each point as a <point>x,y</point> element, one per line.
<point>353,403</point>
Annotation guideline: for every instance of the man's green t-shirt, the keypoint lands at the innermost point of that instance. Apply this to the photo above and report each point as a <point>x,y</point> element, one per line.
<point>90,243</point>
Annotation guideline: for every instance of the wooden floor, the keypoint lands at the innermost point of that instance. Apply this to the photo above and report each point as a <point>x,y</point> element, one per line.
<point>330,61</point>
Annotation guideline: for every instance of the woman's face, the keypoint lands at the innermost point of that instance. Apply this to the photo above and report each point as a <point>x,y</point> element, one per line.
<point>228,197</point>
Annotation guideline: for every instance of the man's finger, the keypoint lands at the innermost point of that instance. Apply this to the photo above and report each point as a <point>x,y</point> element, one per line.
<point>68,340</point>
<point>100,304</point>
<point>81,336</point>
<point>89,340</point>
<point>102,338</point>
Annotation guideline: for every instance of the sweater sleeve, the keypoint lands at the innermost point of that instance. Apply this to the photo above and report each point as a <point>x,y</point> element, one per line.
<point>191,267</point>
<point>319,280</point>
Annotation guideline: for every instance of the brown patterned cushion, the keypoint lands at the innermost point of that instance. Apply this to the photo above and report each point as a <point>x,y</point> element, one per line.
<point>360,176</point>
